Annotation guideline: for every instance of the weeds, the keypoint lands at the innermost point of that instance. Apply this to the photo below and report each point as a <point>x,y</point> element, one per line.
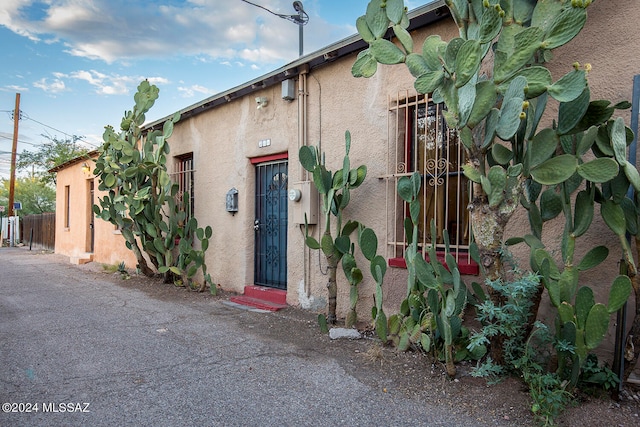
<point>376,354</point>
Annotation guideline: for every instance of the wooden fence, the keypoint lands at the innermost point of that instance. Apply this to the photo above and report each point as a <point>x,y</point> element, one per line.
<point>39,231</point>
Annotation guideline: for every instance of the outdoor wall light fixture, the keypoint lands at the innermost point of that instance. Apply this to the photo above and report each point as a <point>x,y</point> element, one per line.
<point>232,201</point>
<point>261,101</point>
<point>85,168</point>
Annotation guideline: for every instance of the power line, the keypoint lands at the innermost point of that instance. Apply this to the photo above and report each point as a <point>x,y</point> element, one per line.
<point>79,138</point>
<point>4,153</point>
<point>26,116</point>
<point>20,141</point>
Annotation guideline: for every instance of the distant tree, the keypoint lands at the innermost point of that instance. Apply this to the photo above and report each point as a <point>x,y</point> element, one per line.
<point>48,155</point>
<point>36,196</point>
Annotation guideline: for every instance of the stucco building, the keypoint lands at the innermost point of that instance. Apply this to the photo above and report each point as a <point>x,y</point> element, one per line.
<point>81,235</point>
<point>245,141</point>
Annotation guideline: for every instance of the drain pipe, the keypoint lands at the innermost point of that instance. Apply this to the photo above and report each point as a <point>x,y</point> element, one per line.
<point>304,174</point>
<point>302,114</point>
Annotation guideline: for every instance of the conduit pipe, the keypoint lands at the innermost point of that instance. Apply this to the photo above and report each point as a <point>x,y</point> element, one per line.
<point>304,174</point>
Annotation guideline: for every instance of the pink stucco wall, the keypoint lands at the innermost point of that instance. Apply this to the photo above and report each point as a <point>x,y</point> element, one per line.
<point>74,241</point>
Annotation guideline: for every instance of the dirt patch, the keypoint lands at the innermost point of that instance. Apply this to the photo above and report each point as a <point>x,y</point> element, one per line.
<point>412,374</point>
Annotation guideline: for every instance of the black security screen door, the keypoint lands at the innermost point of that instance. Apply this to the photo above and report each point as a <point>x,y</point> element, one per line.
<point>271,225</point>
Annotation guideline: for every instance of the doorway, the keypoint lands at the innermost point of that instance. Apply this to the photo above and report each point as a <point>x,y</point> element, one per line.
<point>270,225</point>
<point>92,217</point>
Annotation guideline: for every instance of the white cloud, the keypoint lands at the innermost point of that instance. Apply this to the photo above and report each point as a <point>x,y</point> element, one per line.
<point>15,88</point>
<point>121,30</point>
<point>10,18</point>
<point>92,77</point>
<point>189,92</point>
<point>156,80</point>
<point>103,84</point>
<point>53,86</point>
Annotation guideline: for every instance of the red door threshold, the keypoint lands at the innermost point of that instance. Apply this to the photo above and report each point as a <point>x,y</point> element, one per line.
<point>263,298</point>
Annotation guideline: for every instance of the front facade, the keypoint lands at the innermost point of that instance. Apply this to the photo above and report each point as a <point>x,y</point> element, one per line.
<point>240,143</point>
<point>81,235</point>
<point>237,154</point>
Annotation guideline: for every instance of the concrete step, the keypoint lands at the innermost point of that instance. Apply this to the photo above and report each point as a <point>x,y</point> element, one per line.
<point>278,296</point>
<point>81,259</point>
<point>257,303</point>
<point>262,298</point>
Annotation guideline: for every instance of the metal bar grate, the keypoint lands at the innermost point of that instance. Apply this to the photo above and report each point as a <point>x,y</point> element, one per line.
<point>183,175</point>
<point>419,140</point>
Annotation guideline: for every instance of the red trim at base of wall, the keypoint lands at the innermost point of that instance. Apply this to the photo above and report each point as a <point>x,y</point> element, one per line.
<point>269,158</point>
<point>465,267</point>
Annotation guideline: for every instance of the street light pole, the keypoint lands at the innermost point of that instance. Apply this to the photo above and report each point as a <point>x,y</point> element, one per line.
<point>300,19</point>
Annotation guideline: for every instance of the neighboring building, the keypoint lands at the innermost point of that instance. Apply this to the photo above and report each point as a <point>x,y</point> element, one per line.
<point>79,234</point>
<point>245,141</point>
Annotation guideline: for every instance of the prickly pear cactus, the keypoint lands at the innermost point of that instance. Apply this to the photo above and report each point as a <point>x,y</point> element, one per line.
<point>141,198</point>
<point>436,295</point>
<point>584,323</point>
<point>497,116</point>
<point>335,193</point>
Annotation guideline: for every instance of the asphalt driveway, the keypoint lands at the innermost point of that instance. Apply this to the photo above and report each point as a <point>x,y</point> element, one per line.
<point>77,349</point>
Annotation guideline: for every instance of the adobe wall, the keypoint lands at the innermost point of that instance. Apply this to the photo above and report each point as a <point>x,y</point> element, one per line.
<point>224,140</point>
<point>75,241</point>
<point>360,106</point>
<point>607,43</point>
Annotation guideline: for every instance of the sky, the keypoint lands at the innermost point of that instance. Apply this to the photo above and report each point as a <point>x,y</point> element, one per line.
<point>76,63</point>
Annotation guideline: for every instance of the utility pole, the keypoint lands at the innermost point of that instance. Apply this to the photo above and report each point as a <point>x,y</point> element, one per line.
<point>12,180</point>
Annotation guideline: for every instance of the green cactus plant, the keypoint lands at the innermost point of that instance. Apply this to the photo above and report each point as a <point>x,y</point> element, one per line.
<point>141,198</point>
<point>581,322</point>
<point>436,295</point>
<point>335,194</point>
<point>368,243</point>
<point>190,260</point>
<point>497,117</point>
<point>584,323</point>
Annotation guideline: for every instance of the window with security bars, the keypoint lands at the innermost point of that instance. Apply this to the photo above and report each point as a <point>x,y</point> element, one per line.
<point>419,140</point>
<point>183,174</point>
